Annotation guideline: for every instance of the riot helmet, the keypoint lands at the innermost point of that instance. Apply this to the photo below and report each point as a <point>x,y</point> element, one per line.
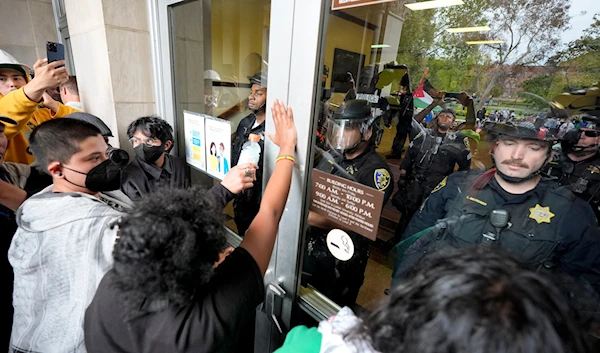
<point>522,130</point>
<point>350,124</point>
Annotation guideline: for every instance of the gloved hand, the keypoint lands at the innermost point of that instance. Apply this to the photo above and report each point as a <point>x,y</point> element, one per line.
<point>402,181</point>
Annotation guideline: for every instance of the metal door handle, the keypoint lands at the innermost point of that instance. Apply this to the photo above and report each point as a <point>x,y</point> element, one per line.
<point>273,305</point>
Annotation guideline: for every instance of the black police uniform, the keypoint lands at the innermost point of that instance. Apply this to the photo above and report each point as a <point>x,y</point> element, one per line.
<point>432,155</point>
<point>247,202</point>
<point>583,177</point>
<point>404,127</point>
<point>341,280</point>
<point>549,229</point>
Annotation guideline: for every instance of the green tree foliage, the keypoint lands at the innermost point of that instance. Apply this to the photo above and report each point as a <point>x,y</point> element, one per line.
<point>528,28</point>
<point>539,85</point>
<point>579,63</point>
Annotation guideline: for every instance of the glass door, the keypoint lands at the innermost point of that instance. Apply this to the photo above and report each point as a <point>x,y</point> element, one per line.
<point>425,68</point>
<point>208,55</point>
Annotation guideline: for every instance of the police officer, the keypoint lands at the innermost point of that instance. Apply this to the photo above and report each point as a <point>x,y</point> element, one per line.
<point>510,207</point>
<point>405,111</point>
<point>432,156</point>
<point>246,203</point>
<point>577,165</point>
<point>352,134</point>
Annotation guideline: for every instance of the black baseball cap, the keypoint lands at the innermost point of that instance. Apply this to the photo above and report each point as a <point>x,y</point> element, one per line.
<point>94,120</point>
<point>4,119</point>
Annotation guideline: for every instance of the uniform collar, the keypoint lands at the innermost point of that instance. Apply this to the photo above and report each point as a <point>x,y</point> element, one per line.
<point>539,190</point>
<point>154,171</point>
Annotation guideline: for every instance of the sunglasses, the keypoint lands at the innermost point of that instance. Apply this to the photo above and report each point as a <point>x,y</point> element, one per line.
<point>591,133</point>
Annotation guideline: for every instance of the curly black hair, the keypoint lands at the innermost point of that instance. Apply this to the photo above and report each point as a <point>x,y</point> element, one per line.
<point>167,247</point>
<point>476,301</point>
<point>151,126</point>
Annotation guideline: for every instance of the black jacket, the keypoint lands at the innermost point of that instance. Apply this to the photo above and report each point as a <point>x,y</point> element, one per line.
<point>247,202</point>
<point>545,209</point>
<point>583,177</point>
<point>433,156</point>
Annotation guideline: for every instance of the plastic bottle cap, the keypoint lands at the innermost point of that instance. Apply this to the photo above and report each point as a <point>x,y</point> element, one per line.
<point>254,137</point>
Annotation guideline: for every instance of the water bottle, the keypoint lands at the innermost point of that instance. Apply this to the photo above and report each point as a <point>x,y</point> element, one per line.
<point>250,150</point>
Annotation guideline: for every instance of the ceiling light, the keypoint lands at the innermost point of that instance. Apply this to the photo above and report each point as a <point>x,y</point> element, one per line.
<point>468,29</point>
<point>433,4</point>
<point>377,46</point>
<point>485,42</point>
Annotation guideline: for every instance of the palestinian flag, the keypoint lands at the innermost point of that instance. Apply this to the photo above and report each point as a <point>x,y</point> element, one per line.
<point>422,99</point>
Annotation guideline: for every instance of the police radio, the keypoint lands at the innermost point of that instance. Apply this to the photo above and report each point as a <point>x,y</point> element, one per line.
<point>580,186</point>
<point>499,219</point>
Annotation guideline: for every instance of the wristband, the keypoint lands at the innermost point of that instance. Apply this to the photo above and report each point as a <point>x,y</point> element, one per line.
<point>291,158</point>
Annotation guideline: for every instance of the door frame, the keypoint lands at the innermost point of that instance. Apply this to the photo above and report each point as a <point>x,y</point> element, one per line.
<point>294,69</point>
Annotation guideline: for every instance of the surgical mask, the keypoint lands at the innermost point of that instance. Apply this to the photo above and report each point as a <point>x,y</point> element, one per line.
<point>149,154</point>
<point>106,176</point>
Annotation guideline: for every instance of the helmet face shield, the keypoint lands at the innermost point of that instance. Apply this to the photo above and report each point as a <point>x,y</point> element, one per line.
<point>344,134</point>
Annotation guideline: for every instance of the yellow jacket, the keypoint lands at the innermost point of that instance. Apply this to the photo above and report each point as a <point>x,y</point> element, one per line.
<point>28,115</point>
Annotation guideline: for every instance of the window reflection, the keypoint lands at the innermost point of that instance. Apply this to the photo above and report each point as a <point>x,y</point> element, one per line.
<point>441,79</point>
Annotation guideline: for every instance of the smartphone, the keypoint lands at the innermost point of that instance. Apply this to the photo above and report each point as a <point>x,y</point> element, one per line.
<point>452,95</point>
<point>55,52</point>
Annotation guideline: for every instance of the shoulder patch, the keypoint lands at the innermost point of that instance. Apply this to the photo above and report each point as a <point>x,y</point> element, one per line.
<point>466,142</point>
<point>440,185</point>
<point>382,179</point>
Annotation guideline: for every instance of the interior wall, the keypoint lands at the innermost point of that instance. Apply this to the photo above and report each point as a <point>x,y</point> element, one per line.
<point>239,28</point>
<point>343,34</point>
<point>26,27</point>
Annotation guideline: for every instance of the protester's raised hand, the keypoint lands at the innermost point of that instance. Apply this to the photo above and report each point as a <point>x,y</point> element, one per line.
<point>285,131</point>
<point>50,76</point>
<point>464,98</point>
<point>240,178</point>
<point>45,76</point>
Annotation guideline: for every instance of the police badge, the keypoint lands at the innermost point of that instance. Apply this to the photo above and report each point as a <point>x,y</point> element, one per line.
<point>382,179</point>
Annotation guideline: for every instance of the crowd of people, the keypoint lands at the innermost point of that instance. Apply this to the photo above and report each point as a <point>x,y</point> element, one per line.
<point>108,252</point>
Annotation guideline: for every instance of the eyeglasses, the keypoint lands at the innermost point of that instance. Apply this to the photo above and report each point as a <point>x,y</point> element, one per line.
<point>591,133</point>
<point>150,142</point>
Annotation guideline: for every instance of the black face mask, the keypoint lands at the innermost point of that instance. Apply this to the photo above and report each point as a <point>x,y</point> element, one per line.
<point>149,154</point>
<point>106,176</point>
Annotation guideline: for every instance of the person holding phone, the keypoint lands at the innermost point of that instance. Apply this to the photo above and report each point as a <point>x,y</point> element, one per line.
<point>20,99</point>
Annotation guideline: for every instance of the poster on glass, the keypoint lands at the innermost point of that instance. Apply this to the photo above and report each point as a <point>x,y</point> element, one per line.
<point>218,146</point>
<point>194,140</point>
